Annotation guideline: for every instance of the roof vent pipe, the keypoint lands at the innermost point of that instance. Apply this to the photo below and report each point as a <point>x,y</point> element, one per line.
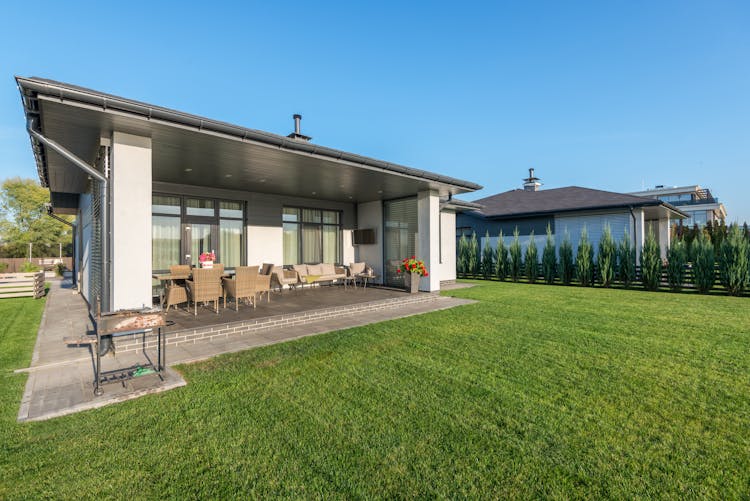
<point>297,134</point>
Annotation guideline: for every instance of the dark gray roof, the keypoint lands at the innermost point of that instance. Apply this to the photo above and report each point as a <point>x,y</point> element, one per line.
<point>32,86</point>
<point>522,203</point>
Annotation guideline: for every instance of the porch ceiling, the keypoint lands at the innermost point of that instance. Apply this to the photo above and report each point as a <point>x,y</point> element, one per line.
<point>187,155</point>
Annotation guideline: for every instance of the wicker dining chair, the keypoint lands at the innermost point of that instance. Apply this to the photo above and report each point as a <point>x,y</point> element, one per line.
<point>242,286</point>
<point>175,291</point>
<point>205,287</point>
<point>263,286</point>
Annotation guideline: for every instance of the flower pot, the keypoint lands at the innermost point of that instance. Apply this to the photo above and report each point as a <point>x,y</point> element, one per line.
<point>207,264</point>
<point>411,280</point>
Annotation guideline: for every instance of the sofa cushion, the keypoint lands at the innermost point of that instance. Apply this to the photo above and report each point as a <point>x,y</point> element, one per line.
<point>301,269</point>
<point>356,268</point>
<point>327,269</point>
<point>314,269</point>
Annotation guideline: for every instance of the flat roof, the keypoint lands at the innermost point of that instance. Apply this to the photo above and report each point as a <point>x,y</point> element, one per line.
<point>190,149</point>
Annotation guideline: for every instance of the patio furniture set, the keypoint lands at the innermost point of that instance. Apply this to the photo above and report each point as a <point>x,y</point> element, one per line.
<point>185,284</point>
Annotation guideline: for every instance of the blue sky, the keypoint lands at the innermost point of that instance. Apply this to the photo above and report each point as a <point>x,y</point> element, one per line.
<point>610,95</point>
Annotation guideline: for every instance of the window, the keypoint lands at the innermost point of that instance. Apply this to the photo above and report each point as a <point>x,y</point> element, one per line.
<point>311,236</point>
<point>399,239</point>
<point>189,226</point>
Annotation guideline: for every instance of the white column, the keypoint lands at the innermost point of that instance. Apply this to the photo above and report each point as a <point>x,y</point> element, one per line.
<point>664,236</point>
<point>131,221</point>
<point>428,238</point>
<point>640,232</point>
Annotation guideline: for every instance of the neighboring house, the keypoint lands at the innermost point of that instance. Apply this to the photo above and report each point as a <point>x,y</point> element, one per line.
<point>152,187</point>
<point>698,203</point>
<point>568,210</point>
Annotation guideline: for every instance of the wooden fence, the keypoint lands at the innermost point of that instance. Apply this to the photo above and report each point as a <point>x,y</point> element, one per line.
<point>14,264</point>
<point>22,284</point>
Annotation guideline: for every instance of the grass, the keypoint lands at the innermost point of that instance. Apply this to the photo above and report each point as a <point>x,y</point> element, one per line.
<point>535,391</point>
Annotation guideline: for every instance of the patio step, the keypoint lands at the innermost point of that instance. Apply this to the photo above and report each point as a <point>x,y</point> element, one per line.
<point>137,343</point>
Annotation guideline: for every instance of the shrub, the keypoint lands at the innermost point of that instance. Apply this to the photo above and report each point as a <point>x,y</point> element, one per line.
<point>3,267</point>
<point>472,258</point>
<point>502,265</point>
<point>28,267</point>
<point>549,258</point>
<point>626,261</point>
<point>515,257</point>
<point>733,265</point>
<point>488,258</point>
<point>530,259</point>
<point>566,260</point>
<point>607,257</point>
<point>651,263</point>
<point>585,260</point>
<point>676,259</point>
<point>59,269</point>
<point>704,272</point>
<point>462,255</point>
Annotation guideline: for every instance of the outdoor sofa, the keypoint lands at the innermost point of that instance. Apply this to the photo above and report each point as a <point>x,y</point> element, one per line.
<point>316,273</point>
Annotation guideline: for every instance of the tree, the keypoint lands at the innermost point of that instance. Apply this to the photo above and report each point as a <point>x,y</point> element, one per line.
<point>530,260</point>
<point>501,269</point>
<point>626,260</point>
<point>24,221</point>
<point>704,271</point>
<point>585,260</point>
<point>515,256</point>
<point>462,255</point>
<point>566,260</point>
<point>472,260</point>
<point>676,259</point>
<point>651,262</point>
<point>733,261</point>
<point>607,257</point>
<point>488,258</point>
<point>549,259</point>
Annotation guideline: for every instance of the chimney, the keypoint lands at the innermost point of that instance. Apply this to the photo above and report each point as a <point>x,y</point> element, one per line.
<point>531,183</point>
<point>297,134</point>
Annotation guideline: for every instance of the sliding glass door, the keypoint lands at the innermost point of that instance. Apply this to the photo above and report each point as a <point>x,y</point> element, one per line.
<point>399,237</point>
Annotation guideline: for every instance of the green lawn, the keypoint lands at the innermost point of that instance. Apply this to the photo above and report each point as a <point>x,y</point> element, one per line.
<point>534,391</point>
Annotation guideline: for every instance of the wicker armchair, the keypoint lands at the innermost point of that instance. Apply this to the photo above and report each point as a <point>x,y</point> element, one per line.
<point>242,286</point>
<point>281,277</point>
<point>263,286</point>
<point>204,287</point>
<point>175,292</point>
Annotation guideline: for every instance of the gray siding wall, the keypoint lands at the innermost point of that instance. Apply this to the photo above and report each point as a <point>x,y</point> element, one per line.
<point>619,222</point>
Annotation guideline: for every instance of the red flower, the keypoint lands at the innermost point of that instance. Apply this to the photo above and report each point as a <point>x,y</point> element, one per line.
<point>398,270</point>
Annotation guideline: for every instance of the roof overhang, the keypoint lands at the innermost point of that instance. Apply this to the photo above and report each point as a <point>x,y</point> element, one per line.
<point>188,149</point>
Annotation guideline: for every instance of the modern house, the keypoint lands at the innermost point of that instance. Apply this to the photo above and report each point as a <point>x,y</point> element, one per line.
<point>151,187</point>
<point>698,203</point>
<point>568,210</point>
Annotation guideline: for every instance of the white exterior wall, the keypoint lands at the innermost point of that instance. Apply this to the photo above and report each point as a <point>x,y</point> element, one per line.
<point>664,236</point>
<point>131,221</point>
<point>370,216</point>
<point>640,232</point>
<point>447,267</point>
<point>428,238</point>
<point>265,244</point>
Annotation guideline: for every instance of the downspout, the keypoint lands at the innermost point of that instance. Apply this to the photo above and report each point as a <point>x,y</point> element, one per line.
<point>68,155</point>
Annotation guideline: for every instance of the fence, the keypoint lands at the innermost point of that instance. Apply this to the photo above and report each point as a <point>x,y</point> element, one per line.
<point>22,284</point>
<point>44,263</point>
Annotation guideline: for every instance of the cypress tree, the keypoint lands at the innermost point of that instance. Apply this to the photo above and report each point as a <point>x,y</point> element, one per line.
<point>531,261</point>
<point>472,258</point>
<point>626,259</point>
<point>566,260</point>
<point>607,257</point>
<point>704,273</point>
<point>676,259</point>
<point>733,265</point>
<point>549,258</point>
<point>461,256</point>
<point>488,258</point>
<point>651,263</point>
<point>585,260</point>
<point>515,257</point>
<point>501,268</point>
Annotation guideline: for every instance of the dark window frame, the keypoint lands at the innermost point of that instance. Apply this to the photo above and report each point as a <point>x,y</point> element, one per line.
<point>300,224</point>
